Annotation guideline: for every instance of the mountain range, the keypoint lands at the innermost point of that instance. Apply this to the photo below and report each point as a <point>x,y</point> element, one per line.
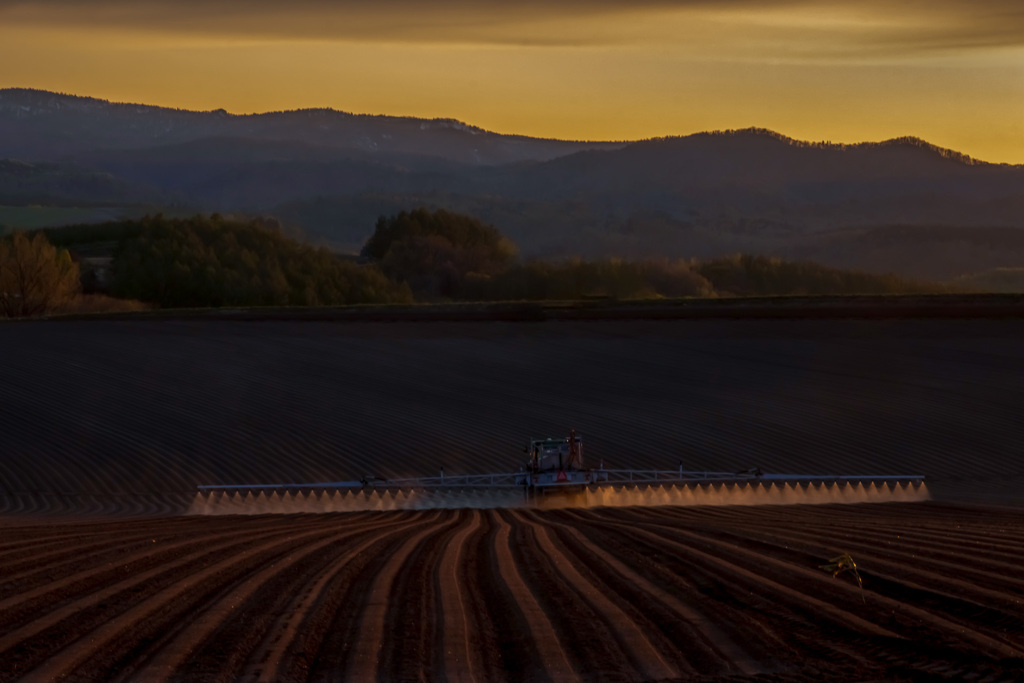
<point>901,205</point>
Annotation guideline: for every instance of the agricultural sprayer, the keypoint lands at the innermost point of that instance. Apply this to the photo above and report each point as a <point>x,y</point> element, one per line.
<point>555,475</point>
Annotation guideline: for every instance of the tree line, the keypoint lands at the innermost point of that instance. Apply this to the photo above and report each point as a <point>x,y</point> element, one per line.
<point>445,256</point>
<point>419,255</point>
<point>211,261</point>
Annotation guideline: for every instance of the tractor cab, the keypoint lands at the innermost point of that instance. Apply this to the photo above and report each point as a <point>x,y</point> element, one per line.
<point>556,463</point>
<point>555,455</point>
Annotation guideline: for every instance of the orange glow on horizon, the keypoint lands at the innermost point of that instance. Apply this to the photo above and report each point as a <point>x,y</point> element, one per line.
<point>844,77</point>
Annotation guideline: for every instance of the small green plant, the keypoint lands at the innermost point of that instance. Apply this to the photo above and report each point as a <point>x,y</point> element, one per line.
<point>842,564</point>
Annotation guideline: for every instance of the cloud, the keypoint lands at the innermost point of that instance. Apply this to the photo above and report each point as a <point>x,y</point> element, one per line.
<point>945,25</point>
<point>805,26</point>
<point>529,22</point>
<point>440,21</point>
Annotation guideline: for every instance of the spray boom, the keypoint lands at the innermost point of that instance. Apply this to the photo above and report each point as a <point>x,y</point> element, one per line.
<point>556,466</point>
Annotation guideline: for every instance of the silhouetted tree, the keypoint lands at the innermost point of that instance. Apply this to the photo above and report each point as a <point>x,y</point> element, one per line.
<point>35,277</point>
<point>434,251</point>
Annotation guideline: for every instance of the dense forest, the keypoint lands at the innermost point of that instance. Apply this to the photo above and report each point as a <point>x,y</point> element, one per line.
<point>213,261</point>
<point>413,256</point>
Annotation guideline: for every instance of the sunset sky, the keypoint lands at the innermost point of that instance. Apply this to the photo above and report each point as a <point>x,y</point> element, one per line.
<point>950,71</point>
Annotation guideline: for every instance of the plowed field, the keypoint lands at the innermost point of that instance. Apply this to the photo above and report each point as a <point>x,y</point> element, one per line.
<point>105,417</point>
<point>107,427</point>
<point>624,594</point>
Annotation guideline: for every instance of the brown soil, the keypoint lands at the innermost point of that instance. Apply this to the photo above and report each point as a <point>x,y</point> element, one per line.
<point>103,418</point>
<point>625,594</point>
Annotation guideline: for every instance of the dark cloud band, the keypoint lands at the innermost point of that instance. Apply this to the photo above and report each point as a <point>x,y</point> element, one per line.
<point>916,25</point>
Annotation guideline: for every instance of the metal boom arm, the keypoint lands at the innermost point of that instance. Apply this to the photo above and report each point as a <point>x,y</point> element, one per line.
<point>599,477</point>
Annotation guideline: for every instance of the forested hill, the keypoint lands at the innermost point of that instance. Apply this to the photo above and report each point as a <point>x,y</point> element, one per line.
<point>900,205</point>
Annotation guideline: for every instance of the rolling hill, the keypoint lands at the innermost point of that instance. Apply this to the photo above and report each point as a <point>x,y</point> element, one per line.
<point>900,205</point>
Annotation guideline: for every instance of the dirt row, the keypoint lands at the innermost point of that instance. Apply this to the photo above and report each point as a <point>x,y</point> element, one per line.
<point>626,594</point>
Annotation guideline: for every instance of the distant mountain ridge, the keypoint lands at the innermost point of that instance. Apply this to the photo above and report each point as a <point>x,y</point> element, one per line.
<point>51,125</point>
<point>906,140</point>
<point>901,204</point>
